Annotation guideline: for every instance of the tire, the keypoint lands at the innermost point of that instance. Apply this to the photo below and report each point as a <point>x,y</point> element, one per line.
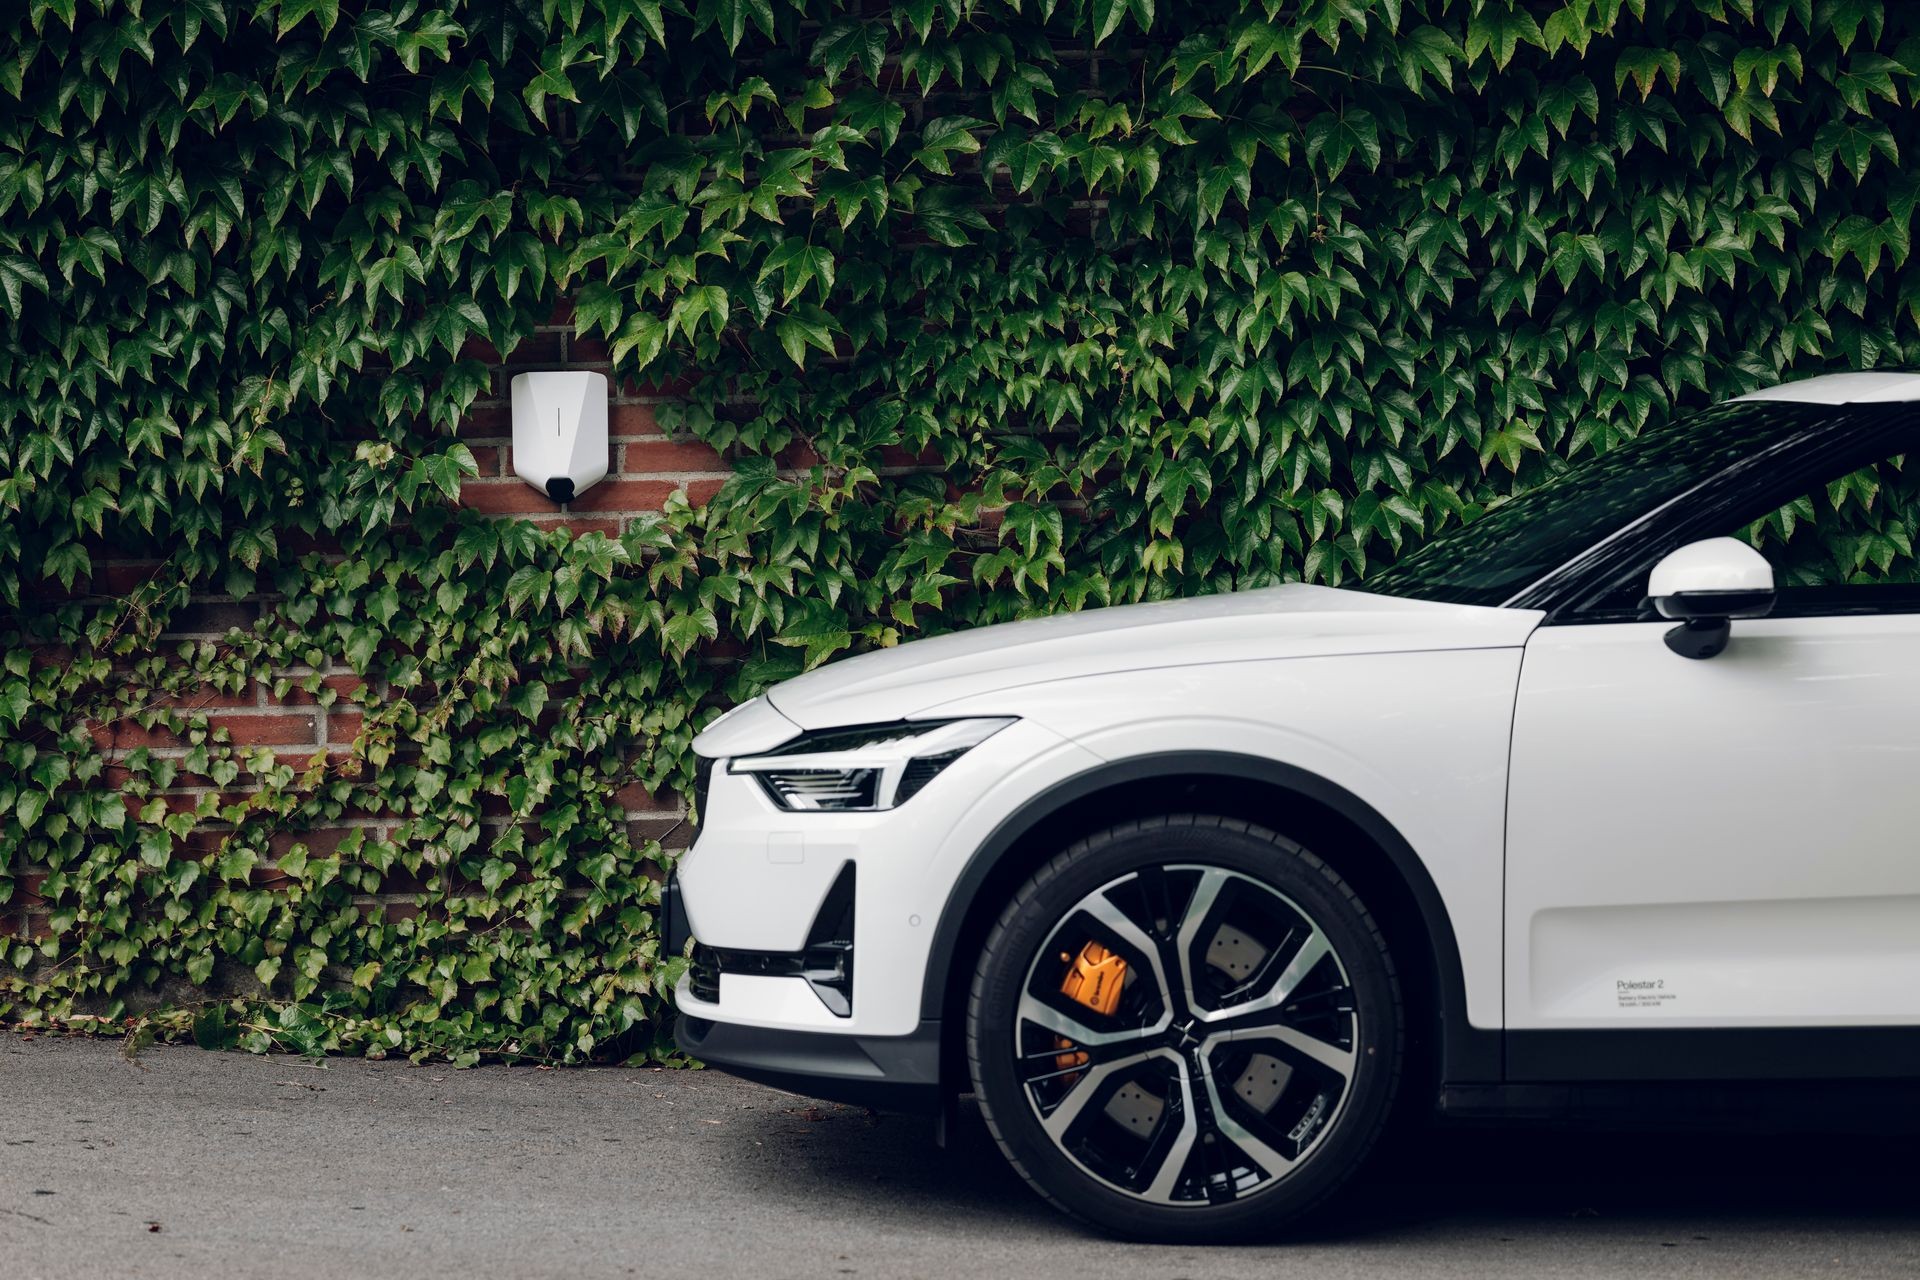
<point>1237,949</point>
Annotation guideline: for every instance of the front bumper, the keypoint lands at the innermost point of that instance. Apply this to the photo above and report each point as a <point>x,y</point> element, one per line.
<point>891,1073</point>
<point>756,893</point>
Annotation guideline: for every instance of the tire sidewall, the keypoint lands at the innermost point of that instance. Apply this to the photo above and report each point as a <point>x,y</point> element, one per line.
<point>1101,859</point>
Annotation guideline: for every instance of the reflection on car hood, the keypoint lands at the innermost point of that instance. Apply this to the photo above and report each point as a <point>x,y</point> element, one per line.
<point>1275,622</point>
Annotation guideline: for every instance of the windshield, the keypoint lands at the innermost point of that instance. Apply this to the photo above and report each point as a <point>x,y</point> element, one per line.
<point>1520,541</point>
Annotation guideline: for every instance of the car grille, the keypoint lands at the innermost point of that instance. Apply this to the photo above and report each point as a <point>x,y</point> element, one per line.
<point>704,974</point>
<point>826,963</point>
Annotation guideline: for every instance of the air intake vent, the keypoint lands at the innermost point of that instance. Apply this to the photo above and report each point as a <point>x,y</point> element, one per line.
<point>702,784</point>
<point>826,963</point>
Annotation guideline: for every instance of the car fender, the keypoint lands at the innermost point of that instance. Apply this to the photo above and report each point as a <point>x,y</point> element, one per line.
<point>1409,748</point>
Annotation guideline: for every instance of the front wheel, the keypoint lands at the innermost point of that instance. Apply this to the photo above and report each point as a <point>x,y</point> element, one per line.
<point>1187,1029</point>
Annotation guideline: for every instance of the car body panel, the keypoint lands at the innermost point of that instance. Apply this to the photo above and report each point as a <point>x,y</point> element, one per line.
<point>1731,841</point>
<point>757,875</point>
<point>1437,775</point>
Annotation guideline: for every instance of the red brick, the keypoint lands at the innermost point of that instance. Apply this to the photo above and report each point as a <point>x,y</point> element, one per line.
<point>122,579</point>
<point>588,350</point>
<point>893,455</point>
<point>672,833</point>
<point>673,389</point>
<point>322,842</point>
<point>125,735</point>
<point>397,879</point>
<point>212,618</point>
<point>491,459</point>
<point>52,655</point>
<point>479,349</point>
<point>505,497</point>
<point>635,798</point>
<point>204,699</point>
<point>543,348</point>
<point>671,456</point>
<point>798,456</point>
<point>347,688</point>
<point>562,311</point>
<point>628,421</point>
<point>642,495</point>
<point>342,728</point>
<point>624,495</point>
<point>273,728</point>
<point>490,420</point>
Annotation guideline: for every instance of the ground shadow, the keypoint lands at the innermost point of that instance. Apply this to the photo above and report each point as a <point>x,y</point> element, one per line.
<point>833,1159</point>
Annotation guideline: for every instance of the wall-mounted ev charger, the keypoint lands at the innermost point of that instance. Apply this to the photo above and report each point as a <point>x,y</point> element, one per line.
<point>560,431</point>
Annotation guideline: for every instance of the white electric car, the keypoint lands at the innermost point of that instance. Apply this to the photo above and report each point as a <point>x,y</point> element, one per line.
<point>1189,894</point>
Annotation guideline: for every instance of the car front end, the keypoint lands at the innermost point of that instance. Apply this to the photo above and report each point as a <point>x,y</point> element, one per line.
<point>849,818</point>
<point>813,895</point>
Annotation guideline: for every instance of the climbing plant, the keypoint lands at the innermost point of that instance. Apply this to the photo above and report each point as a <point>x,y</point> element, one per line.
<point>997,308</point>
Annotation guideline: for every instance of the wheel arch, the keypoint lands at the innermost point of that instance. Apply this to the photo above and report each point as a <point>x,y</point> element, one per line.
<point>1299,804</point>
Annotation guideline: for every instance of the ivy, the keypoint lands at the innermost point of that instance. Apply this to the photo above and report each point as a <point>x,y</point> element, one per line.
<point>998,308</point>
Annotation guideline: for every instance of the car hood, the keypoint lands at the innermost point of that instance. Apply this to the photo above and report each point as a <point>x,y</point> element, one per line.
<point>1295,621</point>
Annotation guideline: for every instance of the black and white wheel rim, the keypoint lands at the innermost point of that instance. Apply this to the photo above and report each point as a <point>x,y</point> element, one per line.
<point>1229,1057</point>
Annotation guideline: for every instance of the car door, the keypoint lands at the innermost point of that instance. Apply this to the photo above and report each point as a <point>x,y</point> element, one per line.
<point>1731,842</point>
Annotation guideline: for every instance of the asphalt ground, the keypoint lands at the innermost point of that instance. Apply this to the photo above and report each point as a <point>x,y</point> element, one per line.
<point>194,1164</point>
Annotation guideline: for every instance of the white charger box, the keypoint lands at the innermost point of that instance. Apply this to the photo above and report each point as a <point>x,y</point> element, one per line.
<point>560,431</point>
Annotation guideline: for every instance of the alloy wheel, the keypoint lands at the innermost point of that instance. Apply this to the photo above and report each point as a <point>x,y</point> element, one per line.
<point>1186,1035</point>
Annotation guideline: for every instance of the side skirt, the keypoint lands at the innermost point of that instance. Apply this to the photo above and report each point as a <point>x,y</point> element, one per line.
<point>1743,1107</point>
<point>1713,1054</point>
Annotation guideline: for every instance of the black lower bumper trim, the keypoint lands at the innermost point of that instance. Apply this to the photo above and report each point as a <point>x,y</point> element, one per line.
<point>673,914</point>
<point>890,1073</point>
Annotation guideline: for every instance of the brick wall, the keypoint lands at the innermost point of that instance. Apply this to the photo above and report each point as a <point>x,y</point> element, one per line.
<point>646,466</point>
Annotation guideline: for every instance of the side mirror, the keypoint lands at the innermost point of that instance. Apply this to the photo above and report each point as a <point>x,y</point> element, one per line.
<point>1705,585</point>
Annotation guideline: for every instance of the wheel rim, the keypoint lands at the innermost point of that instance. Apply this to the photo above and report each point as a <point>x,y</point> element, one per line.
<point>1225,1059</point>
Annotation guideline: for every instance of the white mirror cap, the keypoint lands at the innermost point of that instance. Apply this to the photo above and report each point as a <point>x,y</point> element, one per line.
<point>1712,564</point>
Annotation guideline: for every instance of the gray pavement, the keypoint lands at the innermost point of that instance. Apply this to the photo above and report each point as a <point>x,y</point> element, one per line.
<point>186,1163</point>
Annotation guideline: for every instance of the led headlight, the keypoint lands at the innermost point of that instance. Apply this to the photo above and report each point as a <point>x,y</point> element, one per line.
<point>867,768</point>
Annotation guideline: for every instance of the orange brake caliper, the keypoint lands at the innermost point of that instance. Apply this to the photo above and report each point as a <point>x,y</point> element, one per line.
<point>1095,978</point>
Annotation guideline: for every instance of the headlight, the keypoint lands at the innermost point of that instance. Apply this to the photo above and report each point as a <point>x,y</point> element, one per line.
<point>864,769</point>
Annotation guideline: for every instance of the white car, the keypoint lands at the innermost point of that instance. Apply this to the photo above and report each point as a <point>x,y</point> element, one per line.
<point>1190,894</point>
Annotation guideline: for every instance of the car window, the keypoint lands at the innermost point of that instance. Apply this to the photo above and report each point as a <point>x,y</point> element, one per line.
<point>1858,530</point>
<point>1515,542</point>
<point>1845,545</point>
